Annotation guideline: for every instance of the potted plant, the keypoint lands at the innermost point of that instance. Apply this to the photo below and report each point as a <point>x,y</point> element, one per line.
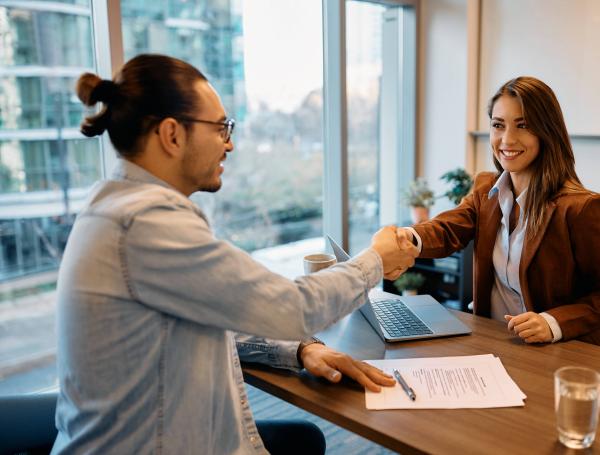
<point>460,182</point>
<point>409,283</point>
<point>420,198</point>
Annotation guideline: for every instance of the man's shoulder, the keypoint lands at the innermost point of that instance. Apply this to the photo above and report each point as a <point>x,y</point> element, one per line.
<point>122,198</point>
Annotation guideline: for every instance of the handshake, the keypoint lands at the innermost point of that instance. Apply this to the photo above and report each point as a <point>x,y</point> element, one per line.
<point>396,248</point>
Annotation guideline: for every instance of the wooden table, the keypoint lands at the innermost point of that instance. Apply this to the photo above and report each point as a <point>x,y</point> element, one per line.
<point>523,430</point>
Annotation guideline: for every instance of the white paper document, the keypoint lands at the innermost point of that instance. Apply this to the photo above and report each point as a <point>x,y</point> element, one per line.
<point>478,381</point>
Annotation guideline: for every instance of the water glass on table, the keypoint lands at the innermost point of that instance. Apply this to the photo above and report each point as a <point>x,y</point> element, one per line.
<point>576,405</point>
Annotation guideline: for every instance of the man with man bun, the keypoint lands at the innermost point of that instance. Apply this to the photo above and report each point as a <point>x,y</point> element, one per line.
<point>154,312</point>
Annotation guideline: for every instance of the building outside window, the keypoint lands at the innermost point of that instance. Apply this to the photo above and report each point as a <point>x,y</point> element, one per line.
<point>46,168</point>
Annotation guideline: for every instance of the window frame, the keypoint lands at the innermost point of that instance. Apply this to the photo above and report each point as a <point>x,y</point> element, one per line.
<point>109,55</point>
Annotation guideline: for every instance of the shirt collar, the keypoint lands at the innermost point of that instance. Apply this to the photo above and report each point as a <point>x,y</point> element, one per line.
<point>126,170</point>
<point>503,186</point>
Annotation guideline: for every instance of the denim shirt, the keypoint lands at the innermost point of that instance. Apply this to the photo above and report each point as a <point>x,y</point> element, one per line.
<point>149,302</point>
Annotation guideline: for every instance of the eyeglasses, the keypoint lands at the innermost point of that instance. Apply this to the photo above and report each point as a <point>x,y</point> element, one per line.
<point>228,126</point>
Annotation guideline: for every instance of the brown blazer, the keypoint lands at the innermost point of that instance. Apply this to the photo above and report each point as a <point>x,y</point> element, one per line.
<point>560,267</point>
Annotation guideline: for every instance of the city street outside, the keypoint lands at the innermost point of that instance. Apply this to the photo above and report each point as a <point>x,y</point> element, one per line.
<point>27,335</point>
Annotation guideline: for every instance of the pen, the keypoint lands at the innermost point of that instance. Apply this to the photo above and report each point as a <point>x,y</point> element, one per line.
<point>410,392</point>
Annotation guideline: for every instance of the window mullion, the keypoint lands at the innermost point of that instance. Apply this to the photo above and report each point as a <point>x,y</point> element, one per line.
<point>335,141</point>
<point>398,111</point>
<point>106,22</point>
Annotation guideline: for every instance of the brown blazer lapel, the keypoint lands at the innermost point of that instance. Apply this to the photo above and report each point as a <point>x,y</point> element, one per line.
<point>489,216</point>
<point>529,249</point>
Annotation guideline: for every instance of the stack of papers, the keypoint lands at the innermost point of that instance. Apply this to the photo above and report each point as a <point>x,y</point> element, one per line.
<point>477,381</point>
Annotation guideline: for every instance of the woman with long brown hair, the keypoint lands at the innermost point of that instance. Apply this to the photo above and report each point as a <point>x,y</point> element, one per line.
<point>536,229</point>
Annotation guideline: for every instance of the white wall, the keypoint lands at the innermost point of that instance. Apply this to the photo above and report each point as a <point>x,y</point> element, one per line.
<point>557,41</point>
<point>442,91</point>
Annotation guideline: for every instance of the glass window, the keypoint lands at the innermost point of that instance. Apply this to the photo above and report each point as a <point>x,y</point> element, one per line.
<point>32,101</point>
<point>32,37</point>
<point>46,168</point>
<point>363,72</point>
<point>264,57</point>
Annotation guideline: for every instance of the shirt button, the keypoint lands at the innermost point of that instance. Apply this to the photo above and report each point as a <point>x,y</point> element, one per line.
<point>243,402</point>
<point>252,438</point>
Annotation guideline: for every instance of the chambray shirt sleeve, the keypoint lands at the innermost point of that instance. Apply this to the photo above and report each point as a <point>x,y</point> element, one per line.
<point>276,353</point>
<point>172,263</point>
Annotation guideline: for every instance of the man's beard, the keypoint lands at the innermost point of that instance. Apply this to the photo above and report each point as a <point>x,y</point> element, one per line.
<point>212,188</point>
<point>189,162</point>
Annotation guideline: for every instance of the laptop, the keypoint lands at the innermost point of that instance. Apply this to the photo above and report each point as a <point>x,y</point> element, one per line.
<point>399,318</point>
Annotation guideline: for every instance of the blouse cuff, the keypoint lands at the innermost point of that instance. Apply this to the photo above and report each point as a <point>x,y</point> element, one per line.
<point>417,237</point>
<point>554,327</point>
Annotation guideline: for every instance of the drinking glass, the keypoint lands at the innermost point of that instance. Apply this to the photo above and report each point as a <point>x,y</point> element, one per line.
<point>576,405</point>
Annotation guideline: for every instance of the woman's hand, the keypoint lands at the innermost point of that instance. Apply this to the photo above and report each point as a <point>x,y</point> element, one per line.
<point>531,327</point>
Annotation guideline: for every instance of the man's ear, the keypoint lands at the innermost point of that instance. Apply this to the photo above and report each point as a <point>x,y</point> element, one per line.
<point>171,136</point>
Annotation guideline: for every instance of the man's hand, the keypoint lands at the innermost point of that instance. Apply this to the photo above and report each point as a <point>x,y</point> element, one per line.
<point>404,233</point>
<point>530,326</point>
<point>397,252</point>
<point>320,360</point>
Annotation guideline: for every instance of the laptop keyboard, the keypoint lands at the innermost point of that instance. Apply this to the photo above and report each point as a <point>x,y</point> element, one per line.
<point>398,320</point>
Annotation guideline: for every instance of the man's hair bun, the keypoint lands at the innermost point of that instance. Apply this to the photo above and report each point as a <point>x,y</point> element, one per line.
<point>91,89</point>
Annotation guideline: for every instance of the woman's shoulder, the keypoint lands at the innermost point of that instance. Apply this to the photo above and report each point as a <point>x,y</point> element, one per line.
<point>577,198</point>
<point>484,181</point>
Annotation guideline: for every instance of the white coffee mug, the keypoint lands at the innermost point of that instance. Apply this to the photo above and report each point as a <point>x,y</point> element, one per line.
<point>316,262</point>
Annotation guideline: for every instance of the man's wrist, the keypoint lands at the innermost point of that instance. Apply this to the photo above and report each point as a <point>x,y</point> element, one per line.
<point>304,344</point>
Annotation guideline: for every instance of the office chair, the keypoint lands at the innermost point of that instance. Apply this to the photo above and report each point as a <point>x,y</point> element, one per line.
<point>27,423</point>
